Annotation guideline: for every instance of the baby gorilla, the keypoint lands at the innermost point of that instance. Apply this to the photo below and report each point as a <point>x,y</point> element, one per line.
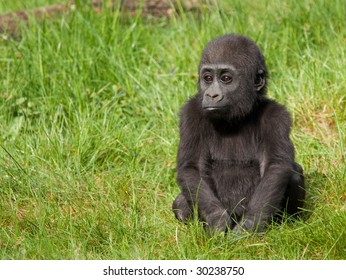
<point>235,159</point>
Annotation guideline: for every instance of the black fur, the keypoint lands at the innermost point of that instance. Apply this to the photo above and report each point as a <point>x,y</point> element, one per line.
<point>235,158</point>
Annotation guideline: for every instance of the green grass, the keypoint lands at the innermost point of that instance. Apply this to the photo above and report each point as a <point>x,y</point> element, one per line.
<point>12,6</point>
<point>89,131</point>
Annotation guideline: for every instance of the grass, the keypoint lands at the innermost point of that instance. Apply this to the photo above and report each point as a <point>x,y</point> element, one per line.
<point>89,130</point>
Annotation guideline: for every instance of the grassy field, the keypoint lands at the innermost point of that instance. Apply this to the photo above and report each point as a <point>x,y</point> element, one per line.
<point>89,130</point>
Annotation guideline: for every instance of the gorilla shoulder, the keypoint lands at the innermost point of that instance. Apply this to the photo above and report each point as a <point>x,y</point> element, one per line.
<point>275,115</point>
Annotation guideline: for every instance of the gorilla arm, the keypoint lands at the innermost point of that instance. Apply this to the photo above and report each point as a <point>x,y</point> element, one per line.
<point>276,157</point>
<point>196,191</point>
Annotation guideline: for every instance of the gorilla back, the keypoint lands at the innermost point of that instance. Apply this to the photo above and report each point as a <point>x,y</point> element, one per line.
<point>235,158</point>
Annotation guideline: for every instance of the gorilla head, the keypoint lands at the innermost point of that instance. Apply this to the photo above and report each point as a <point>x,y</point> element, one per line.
<point>232,76</point>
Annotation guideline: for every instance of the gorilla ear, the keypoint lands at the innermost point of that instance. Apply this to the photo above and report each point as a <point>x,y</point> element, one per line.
<point>260,80</point>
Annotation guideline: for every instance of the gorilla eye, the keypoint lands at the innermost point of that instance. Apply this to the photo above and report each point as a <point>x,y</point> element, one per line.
<point>208,78</point>
<point>226,78</point>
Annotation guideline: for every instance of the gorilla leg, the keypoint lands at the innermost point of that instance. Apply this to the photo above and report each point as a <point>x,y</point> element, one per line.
<point>181,208</point>
<point>295,192</point>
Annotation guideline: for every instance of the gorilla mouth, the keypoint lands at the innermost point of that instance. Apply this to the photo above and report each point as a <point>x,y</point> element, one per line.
<point>211,108</point>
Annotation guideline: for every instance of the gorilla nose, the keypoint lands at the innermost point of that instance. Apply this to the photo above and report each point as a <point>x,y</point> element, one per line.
<point>215,97</point>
